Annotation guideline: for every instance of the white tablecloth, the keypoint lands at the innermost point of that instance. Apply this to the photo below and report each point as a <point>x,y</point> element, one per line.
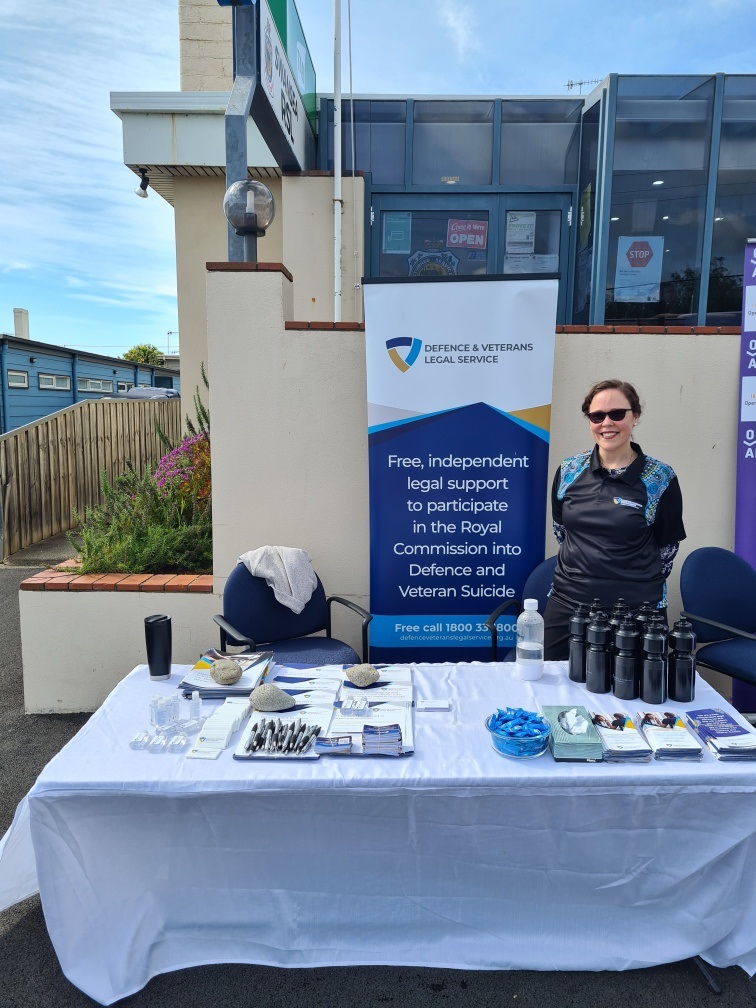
<point>452,857</point>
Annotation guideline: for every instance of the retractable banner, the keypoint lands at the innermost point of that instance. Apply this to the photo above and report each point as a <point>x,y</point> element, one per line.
<point>745,497</point>
<point>459,378</point>
<point>743,695</point>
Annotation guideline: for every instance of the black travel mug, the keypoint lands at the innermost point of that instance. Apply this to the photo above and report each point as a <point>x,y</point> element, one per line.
<point>157,635</point>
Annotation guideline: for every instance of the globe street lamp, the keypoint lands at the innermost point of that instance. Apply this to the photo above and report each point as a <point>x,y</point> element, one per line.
<point>249,208</point>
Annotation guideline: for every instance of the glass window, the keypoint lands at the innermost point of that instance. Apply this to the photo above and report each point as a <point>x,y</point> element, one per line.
<point>661,160</point>
<point>55,381</point>
<point>586,210</point>
<point>433,243</point>
<point>18,379</point>
<point>124,386</point>
<point>735,205</point>
<point>94,385</point>
<point>540,141</point>
<point>379,130</point>
<point>452,143</point>
<point>531,241</point>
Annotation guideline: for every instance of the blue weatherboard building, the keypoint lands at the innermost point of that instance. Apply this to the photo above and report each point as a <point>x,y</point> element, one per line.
<point>42,378</point>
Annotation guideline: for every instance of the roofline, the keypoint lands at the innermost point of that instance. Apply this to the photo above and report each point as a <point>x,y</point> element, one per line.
<point>211,102</point>
<point>19,341</point>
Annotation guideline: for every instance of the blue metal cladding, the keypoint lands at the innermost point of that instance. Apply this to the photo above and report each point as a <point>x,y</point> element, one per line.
<point>56,378</point>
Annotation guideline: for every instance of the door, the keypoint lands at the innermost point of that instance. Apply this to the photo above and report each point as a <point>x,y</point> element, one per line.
<point>470,235</point>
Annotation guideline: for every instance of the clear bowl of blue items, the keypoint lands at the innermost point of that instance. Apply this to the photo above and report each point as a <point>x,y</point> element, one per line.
<point>518,733</point>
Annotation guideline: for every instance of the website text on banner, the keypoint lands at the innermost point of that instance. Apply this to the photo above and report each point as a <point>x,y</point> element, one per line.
<point>459,377</point>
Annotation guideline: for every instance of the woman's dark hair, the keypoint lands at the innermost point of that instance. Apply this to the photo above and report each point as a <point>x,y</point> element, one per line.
<point>624,387</point>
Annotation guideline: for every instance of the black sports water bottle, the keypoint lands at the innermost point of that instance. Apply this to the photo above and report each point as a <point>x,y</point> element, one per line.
<point>643,615</point>
<point>654,669</point>
<point>598,669</point>
<point>578,623</point>
<point>625,677</point>
<point>681,664</point>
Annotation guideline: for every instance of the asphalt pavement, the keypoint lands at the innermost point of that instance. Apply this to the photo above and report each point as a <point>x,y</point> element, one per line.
<point>30,976</point>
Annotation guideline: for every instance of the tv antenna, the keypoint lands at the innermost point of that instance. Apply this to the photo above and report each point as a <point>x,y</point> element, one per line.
<point>579,84</point>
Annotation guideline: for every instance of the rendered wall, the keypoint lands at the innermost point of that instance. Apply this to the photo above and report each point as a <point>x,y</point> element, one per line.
<point>301,236</point>
<point>106,631</point>
<point>290,446</point>
<point>201,236</point>
<point>308,245</point>
<point>289,421</point>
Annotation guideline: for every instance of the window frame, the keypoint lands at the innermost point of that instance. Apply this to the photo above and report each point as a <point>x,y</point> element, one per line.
<point>86,385</point>
<point>56,379</point>
<point>21,374</point>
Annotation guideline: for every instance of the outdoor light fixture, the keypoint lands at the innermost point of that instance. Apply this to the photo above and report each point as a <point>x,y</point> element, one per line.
<point>658,182</point>
<point>614,218</point>
<point>32,360</point>
<point>249,208</point>
<point>141,189</point>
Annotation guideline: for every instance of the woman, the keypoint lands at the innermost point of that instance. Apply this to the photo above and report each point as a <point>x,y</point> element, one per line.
<point>617,516</point>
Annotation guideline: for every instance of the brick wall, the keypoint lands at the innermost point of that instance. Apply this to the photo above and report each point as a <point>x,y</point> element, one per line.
<point>205,46</point>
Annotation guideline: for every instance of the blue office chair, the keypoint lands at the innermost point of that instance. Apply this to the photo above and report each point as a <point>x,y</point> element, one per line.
<point>718,592</point>
<point>253,616</point>
<point>537,586</point>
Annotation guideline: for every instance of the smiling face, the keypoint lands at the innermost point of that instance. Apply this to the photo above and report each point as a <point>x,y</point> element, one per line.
<point>613,436</point>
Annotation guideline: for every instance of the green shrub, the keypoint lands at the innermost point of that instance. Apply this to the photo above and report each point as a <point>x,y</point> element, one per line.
<point>144,528</point>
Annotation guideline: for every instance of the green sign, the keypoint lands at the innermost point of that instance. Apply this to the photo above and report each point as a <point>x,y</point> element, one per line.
<point>289,26</point>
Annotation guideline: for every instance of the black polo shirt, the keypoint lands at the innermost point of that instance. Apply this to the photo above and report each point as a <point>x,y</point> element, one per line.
<point>614,528</point>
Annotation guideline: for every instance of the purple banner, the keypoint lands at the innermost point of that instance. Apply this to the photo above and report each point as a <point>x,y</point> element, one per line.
<point>745,490</point>
<point>744,695</point>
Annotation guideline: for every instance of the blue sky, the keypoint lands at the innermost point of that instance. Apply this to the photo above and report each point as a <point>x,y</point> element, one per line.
<point>94,265</point>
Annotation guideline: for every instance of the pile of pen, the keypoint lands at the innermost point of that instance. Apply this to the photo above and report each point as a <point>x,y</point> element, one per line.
<point>278,737</point>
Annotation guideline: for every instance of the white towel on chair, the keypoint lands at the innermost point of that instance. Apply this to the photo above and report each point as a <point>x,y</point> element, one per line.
<point>287,570</point>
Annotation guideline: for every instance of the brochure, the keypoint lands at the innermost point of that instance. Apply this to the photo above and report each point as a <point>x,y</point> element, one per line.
<point>621,741</point>
<point>253,668</point>
<point>353,723</point>
<point>724,736</point>
<point>668,736</point>
<point>381,691</point>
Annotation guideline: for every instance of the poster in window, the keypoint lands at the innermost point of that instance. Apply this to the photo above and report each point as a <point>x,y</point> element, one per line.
<point>397,233</point>
<point>520,237</point>
<point>637,277</point>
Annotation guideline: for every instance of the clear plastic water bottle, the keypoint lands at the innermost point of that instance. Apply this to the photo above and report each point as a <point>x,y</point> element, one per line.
<point>530,641</point>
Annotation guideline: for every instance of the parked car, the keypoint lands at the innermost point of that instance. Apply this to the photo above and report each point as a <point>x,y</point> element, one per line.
<point>145,392</point>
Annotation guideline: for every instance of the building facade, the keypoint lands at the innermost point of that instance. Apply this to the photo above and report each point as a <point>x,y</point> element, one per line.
<point>639,195</point>
<point>42,378</point>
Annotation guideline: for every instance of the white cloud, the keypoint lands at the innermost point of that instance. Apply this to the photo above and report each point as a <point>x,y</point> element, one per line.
<point>67,210</point>
<point>460,25</point>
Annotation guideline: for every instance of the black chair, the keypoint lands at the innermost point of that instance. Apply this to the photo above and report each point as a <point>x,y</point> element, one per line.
<point>537,586</point>
<point>253,616</point>
<point>718,592</point>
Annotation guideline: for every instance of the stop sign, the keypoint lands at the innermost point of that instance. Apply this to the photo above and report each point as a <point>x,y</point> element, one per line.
<point>639,254</point>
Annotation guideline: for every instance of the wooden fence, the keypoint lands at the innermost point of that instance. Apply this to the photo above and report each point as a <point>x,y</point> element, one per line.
<point>52,467</point>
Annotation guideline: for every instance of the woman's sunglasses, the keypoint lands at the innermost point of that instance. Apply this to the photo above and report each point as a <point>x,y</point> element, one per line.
<point>614,414</point>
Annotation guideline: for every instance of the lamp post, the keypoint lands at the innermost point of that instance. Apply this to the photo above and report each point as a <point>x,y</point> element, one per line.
<point>249,208</point>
